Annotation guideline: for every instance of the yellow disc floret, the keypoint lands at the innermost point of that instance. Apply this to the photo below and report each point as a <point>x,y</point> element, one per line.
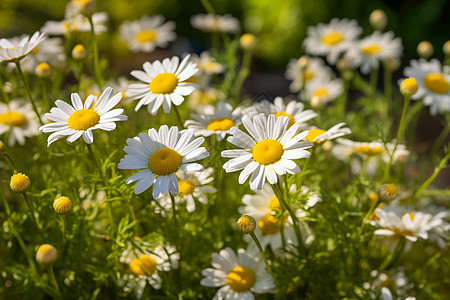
<point>13,118</point>
<point>19,182</point>
<point>144,265</point>
<point>371,49</point>
<point>83,119</point>
<point>409,86</point>
<point>185,187</point>
<point>313,133</point>
<point>46,254</point>
<point>332,38</point>
<point>164,83</point>
<point>241,279</point>
<point>320,92</point>
<point>164,161</point>
<point>269,224</point>
<point>267,152</point>
<point>369,151</point>
<point>246,224</point>
<point>436,83</point>
<point>145,36</point>
<point>220,124</point>
<point>62,205</point>
<point>284,114</point>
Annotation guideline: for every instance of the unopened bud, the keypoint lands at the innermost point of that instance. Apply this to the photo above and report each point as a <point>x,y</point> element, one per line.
<point>62,205</point>
<point>85,7</point>
<point>446,48</point>
<point>246,224</point>
<point>79,52</point>
<point>378,19</point>
<point>409,87</point>
<point>43,70</point>
<point>387,192</point>
<point>19,182</point>
<point>303,62</point>
<point>248,41</point>
<point>46,254</point>
<point>425,49</point>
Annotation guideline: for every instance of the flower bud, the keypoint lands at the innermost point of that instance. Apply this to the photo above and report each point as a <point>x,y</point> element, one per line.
<point>446,48</point>
<point>409,87</point>
<point>425,49</point>
<point>327,146</point>
<point>46,254</point>
<point>19,182</point>
<point>85,7</point>
<point>8,87</point>
<point>43,70</point>
<point>79,52</point>
<point>2,145</point>
<point>247,41</point>
<point>303,62</point>
<point>246,224</point>
<point>343,64</point>
<point>62,205</point>
<point>378,19</point>
<point>387,192</point>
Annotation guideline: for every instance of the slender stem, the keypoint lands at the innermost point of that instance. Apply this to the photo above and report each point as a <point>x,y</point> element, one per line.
<point>261,250</point>
<point>305,167</point>
<point>243,72</point>
<point>399,136</point>
<point>174,210</point>
<point>9,160</point>
<point>208,7</point>
<point>52,278</point>
<point>367,216</point>
<point>5,94</point>
<point>94,160</point>
<point>98,75</point>
<point>387,84</point>
<point>437,170</point>
<point>441,138</point>
<point>30,208</point>
<point>374,80</point>
<point>27,89</point>
<point>63,217</point>
<point>177,113</point>
<point>390,260</point>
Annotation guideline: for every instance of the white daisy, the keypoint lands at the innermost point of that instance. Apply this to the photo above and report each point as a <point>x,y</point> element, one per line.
<point>160,155</point>
<point>19,119</point>
<point>165,82</point>
<point>332,39</point>
<point>80,120</point>
<point>294,110</point>
<point>192,187</point>
<point>319,93</point>
<point>318,136</point>
<point>237,275</point>
<point>146,264</point>
<point>199,101</point>
<point>373,49</point>
<point>315,69</point>
<point>270,150</point>
<point>148,33</point>
<point>13,52</point>
<point>215,23</point>
<point>434,84</point>
<point>217,122</point>
<point>207,65</point>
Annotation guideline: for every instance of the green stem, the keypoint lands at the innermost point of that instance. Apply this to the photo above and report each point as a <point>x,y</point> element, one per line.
<point>208,7</point>
<point>27,89</point>
<point>177,113</point>
<point>52,278</point>
<point>243,72</point>
<point>9,160</point>
<point>97,72</point>
<point>263,255</point>
<point>437,170</point>
<point>390,260</point>
<point>374,80</point>
<point>63,217</point>
<point>399,136</point>
<point>30,208</point>
<point>387,84</point>
<point>94,160</point>
<point>174,211</point>
<point>441,138</point>
<point>5,94</point>
<point>367,216</point>
<point>415,108</point>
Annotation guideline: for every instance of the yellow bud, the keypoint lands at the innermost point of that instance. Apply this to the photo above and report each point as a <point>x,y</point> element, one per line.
<point>86,7</point>
<point>62,205</point>
<point>409,87</point>
<point>387,192</point>
<point>378,19</point>
<point>446,48</point>
<point>2,145</point>
<point>46,254</point>
<point>248,41</point>
<point>79,52</point>
<point>303,62</point>
<point>43,70</point>
<point>19,182</point>
<point>246,224</point>
<point>343,64</point>
<point>425,49</point>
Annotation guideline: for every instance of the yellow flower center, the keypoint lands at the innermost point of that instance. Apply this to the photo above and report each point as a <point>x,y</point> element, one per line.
<point>220,124</point>
<point>164,83</point>
<point>13,118</point>
<point>391,189</point>
<point>284,114</point>
<point>267,152</point>
<point>274,204</point>
<point>369,151</point>
<point>144,265</point>
<point>145,36</point>
<point>83,119</point>
<point>241,279</point>
<point>412,216</point>
<point>320,92</point>
<point>313,133</point>
<point>436,83</point>
<point>332,38</point>
<point>185,187</point>
<point>210,65</point>
<point>164,161</point>
<point>45,249</point>
<point>19,183</point>
<point>123,95</point>
<point>35,49</point>
<point>308,75</point>
<point>62,205</point>
<point>371,49</point>
<point>269,224</point>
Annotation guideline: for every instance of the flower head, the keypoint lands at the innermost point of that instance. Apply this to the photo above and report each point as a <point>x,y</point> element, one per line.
<point>305,70</point>
<point>215,23</point>
<point>10,52</point>
<point>46,254</point>
<point>425,49</point>
<point>378,19</point>
<point>19,182</point>
<point>62,205</point>
<point>409,87</point>
<point>80,120</point>
<point>246,224</point>
<point>318,136</point>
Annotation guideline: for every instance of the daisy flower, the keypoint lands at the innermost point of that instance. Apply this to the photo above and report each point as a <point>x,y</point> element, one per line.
<point>165,83</point>
<point>19,119</point>
<point>192,186</point>
<point>148,33</point>
<point>322,92</point>
<point>207,65</point>
<point>217,122</point>
<point>215,23</point>
<point>268,151</point>
<point>373,49</point>
<point>237,275</point>
<point>331,39</point>
<point>14,52</point>
<point>159,155</point>
<point>318,136</point>
<point>200,100</point>
<point>306,70</point>
<point>434,84</point>
<point>294,110</point>
<point>146,265</point>
<point>78,120</point>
